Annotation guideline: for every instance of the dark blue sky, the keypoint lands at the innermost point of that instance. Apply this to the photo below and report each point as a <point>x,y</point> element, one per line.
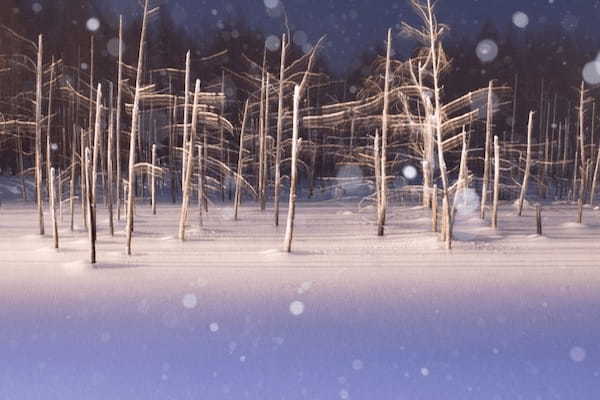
<point>354,25</point>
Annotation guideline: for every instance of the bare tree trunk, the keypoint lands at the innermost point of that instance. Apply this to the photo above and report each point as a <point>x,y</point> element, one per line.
<point>488,140</point>
<point>20,166</point>
<point>96,150</point>
<point>109,162</point>
<point>265,135</point>
<point>186,106</point>
<point>200,183</point>
<point>187,187</point>
<point>118,121</point>
<point>153,180</point>
<point>496,183</point>
<point>48,130</point>
<point>240,167</point>
<point>538,219</point>
<point>38,136</point>
<point>296,142</point>
<point>279,131</point>
<point>91,212</point>
<point>527,165</point>
<point>384,137</point>
<point>72,183</point>
<point>595,179</point>
<point>134,129</point>
<point>53,208</point>
<point>434,209</point>
<point>377,168</point>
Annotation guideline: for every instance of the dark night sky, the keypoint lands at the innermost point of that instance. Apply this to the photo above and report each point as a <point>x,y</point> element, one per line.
<point>353,26</point>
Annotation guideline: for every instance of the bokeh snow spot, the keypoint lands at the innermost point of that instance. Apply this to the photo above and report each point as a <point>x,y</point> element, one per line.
<point>92,24</point>
<point>577,354</point>
<point>189,300</point>
<point>357,365</point>
<point>487,50</point>
<point>520,19</point>
<point>409,172</point>
<point>272,43</point>
<point>296,307</point>
<point>591,72</point>
<point>425,371</point>
<point>214,327</point>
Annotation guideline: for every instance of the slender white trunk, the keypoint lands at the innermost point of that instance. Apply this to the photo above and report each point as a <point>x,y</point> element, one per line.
<point>289,229</point>
<point>186,105</point>
<point>496,183</point>
<point>91,212</point>
<point>279,131</point>
<point>53,208</point>
<point>134,129</point>
<point>38,136</point>
<point>527,165</point>
<point>488,144</point>
<point>153,179</point>
<point>240,167</point>
<point>118,121</point>
<point>384,137</point>
<point>187,186</point>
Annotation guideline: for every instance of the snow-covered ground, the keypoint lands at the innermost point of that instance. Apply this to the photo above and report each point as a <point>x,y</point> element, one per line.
<point>347,315</point>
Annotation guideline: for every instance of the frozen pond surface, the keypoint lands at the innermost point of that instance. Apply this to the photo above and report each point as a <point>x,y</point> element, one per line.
<point>506,315</point>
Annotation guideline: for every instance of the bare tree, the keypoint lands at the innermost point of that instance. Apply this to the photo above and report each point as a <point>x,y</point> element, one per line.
<point>189,152</point>
<point>527,165</point>
<point>296,142</point>
<point>38,135</point>
<point>134,129</point>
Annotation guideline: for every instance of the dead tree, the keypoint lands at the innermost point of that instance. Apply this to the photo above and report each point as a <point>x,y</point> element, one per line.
<point>109,161</point>
<point>240,167</point>
<point>134,129</point>
<point>91,211</point>
<point>279,130</point>
<point>384,139</point>
<point>118,121</point>
<point>189,152</point>
<point>38,136</point>
<point>52,180</point>
<point>296,142</point>
<point>488,144</point>
<point>496,183</point>
<point>527,166</point>
<point>153,180</point>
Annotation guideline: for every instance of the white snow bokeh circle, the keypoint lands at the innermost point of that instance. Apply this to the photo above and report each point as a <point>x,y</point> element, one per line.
<point>92,24</point>
<point>296,307</point>
<point>409,172</point>
<point>487,50</point>
<point>272,43</point>
<point>213,327</point>
<point>591,72</point>
<point>189,301</point>
<point>271,3</point>
<point>577,354</point>
<point>520,19</point>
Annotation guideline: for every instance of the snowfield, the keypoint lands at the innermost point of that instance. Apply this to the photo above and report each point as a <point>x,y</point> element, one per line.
<point>506,314</point>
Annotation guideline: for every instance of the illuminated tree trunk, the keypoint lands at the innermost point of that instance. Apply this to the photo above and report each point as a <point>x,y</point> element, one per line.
<point>289,229</point>
<point>187,187</point>
<point>38,136</point>
<point>384,138</point>
<point>496,183</point>
<point>240,167</point>
<point>527,166</point>
<point>134,129</point>
<point>279,131</point>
